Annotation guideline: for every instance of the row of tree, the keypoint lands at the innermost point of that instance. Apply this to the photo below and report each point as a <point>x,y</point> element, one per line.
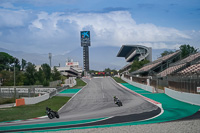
<point>26,73</point>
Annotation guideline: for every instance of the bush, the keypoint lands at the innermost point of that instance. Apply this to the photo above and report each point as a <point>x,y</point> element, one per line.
<point>46,82</point>
<point>7,100</point>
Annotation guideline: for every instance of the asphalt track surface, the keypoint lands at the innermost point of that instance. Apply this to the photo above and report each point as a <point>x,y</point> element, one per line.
<point>96,101</point>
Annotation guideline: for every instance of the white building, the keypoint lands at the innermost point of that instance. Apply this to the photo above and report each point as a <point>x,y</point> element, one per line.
<point>74,65</point>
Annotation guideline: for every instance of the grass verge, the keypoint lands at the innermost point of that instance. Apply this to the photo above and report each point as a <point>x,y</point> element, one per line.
<point>7,100</point>
<point>118,80</point>
<point>32,111</point>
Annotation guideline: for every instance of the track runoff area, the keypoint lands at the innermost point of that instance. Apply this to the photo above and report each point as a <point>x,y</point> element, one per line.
<point>93,107</point>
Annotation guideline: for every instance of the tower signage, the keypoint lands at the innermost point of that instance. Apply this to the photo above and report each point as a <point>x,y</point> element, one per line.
<point>85,38</point>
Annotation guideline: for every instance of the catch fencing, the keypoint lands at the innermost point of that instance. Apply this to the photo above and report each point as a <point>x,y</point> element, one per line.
<point>183,83</point>
<point>16,92</point>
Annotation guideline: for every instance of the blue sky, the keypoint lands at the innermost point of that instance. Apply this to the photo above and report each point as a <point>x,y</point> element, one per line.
<point>43,26</point>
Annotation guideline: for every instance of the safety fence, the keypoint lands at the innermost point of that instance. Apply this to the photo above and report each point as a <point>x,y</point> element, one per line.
<point>183,83</point>
<point>10,92</point>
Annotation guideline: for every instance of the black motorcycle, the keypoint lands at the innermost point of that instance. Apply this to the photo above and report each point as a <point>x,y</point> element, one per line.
<point>51,114</point>
<point>118,102</point>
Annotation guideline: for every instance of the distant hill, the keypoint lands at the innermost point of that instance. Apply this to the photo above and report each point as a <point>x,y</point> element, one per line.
<point>100,57</point>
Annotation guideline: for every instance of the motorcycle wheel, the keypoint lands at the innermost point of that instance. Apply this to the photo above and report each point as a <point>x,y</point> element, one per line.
<point>57,115</point>
<point>50,116</point>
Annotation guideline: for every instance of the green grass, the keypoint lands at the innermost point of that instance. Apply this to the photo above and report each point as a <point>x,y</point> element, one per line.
<point>118,80</point>
<point>7,100</point>
<point>79,83</point>
<point>32,111</point>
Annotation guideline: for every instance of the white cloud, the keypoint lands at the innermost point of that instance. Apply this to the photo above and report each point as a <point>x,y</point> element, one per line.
<point>113,28</point>
<point>61,31</point>
<point>15,18</point>
<point>7,5</point>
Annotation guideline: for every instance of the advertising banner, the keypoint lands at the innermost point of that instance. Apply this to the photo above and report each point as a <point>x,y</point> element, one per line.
<point>85,38</point>
<point>198,89</point>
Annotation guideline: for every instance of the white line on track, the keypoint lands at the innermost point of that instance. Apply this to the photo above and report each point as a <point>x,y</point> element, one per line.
<point>102,89</point>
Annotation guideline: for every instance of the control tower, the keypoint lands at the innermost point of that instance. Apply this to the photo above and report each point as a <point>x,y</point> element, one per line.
<point>85,43</point>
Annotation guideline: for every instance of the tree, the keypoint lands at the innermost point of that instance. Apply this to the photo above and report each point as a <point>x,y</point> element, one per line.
<point>112,72</point>
<point>30,74</point>
<point>107,70</point>
<point>40,77</point>
<point>6,77</point>
<point>47,71</point>
<point>5,61</point>
<point>20,78</point>
<point>17,64</point>
<point>56,74</point>
<point>23,64</point>
<point>166,52</point>
<point>138,64</point>
<point>186,50</point>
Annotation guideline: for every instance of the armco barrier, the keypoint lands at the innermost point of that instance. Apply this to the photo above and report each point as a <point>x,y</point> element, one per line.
<point>19,102</point>
<point>34,100</point>
<point>142,86</point>
<point>183,96</point>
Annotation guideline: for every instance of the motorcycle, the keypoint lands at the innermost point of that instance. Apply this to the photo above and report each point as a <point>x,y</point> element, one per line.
<point>118,102</point>
<point>51,114</point>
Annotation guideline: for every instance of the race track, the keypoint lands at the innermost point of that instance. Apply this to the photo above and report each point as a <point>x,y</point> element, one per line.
<point>95,101</point>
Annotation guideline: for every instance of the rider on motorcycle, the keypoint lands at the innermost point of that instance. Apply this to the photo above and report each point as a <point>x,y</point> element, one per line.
<point>48,109</point>
<point>116,99</point>
<point>51,114</point>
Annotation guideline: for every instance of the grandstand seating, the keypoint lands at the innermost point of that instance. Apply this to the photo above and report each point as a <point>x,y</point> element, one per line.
<point>191,69</point>
<point>168,56</point>
<point>171,70</point>
<point>188,59</point>
<point>148,67</point>
<point>156,63</point>
<point>181,64</point>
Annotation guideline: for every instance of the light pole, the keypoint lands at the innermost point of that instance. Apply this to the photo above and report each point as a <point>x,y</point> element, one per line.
<point>14,75</point>
<point>50,56</point>
<point>14,82</point>
<point>0,87</point>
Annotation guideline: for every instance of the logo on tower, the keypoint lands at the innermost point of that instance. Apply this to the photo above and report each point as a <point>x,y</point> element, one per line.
<point>85,38</point>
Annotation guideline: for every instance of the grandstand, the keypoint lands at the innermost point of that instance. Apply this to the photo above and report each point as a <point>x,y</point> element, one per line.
<point>183,64</point>
<point>126,68</point>
<point>168,71</point>
<point>158,65</point>
<point>191,69</point>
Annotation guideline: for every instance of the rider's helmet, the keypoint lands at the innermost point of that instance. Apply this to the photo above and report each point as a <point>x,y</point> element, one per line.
<point>47,108</point>
<point>114,97</point>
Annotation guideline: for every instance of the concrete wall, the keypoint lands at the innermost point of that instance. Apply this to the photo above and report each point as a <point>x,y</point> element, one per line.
<point>70,82</point>
<point>183,96</point>
<point>26,90</point>
<point>142,86</point>
<point>34,100</point>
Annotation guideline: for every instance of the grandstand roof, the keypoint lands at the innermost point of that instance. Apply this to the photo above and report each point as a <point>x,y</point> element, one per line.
<point>130,52</point>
